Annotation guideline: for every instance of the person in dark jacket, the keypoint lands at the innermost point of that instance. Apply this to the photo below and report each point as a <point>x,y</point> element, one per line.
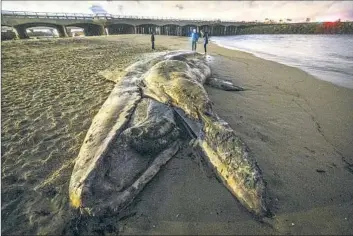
<point>152,40</point>
<point>205,41</point>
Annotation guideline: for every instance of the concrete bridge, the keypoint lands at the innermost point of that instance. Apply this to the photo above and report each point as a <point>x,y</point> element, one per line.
<point>100,24</point>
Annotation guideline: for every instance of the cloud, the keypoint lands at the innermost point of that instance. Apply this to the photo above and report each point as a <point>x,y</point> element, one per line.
<point>224,10</point>
<point>96,9</point>
<point>120,7</point>
<point>252,4</point>
<point>179,6</point>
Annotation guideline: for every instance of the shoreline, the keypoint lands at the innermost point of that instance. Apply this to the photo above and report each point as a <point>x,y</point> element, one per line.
<point>282,63</point>
<point>331,76</point>
<point>298,128</point>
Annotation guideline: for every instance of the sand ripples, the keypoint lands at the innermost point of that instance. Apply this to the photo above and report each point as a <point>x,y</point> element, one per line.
<point>50,92</point>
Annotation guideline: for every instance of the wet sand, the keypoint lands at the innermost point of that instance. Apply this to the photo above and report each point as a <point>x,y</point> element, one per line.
<point>300,130</point>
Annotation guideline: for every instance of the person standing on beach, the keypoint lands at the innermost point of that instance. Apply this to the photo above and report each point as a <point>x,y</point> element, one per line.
<point>205,41</point>
<point>194,38</point>
<point>152,40</point>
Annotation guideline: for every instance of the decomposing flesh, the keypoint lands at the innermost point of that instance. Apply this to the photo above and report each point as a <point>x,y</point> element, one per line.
<point>137,131</point>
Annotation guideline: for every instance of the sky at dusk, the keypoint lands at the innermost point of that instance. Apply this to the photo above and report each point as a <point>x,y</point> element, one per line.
<point>224,10</point>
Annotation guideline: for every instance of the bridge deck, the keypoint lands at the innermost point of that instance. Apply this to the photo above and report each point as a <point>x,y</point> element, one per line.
<point>98,24</point>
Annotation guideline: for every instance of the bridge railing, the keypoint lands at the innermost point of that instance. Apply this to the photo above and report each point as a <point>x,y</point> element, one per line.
<point>53,15</point>
<point>50,15</point>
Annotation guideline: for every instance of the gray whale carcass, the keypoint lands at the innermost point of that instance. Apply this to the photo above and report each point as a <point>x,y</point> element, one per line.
<point>138,130</point>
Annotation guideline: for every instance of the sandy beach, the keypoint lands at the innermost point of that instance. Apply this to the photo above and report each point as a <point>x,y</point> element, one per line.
<point>299,128</point>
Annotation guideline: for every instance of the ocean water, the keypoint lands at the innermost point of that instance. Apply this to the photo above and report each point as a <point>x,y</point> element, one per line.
<point>327,57</point>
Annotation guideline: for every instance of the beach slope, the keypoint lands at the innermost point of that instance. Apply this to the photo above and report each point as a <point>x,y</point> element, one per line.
<point>297,127</point>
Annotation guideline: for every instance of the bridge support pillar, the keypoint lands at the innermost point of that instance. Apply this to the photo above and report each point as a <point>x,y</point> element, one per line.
<point>16,34</point>
<point>21,32</point>
<point>106,31</point>
<point>198,29</point>
<point>102,30</point>
<point>69,32</point>
<point>62,31</point>
<point>86,32</point>
<point>236,28</point>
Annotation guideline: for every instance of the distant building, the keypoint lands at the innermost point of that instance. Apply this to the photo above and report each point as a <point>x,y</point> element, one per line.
<point>307,19</point>
<point>6,28</point>
<point>75,31</point>
<point>78,34</point>
<point>42,32</point>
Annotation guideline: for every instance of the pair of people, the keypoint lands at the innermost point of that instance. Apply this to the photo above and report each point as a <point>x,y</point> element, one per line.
<point>195,37</point>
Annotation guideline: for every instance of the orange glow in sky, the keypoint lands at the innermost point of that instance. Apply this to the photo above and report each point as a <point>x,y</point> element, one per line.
<point>327,18</point>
